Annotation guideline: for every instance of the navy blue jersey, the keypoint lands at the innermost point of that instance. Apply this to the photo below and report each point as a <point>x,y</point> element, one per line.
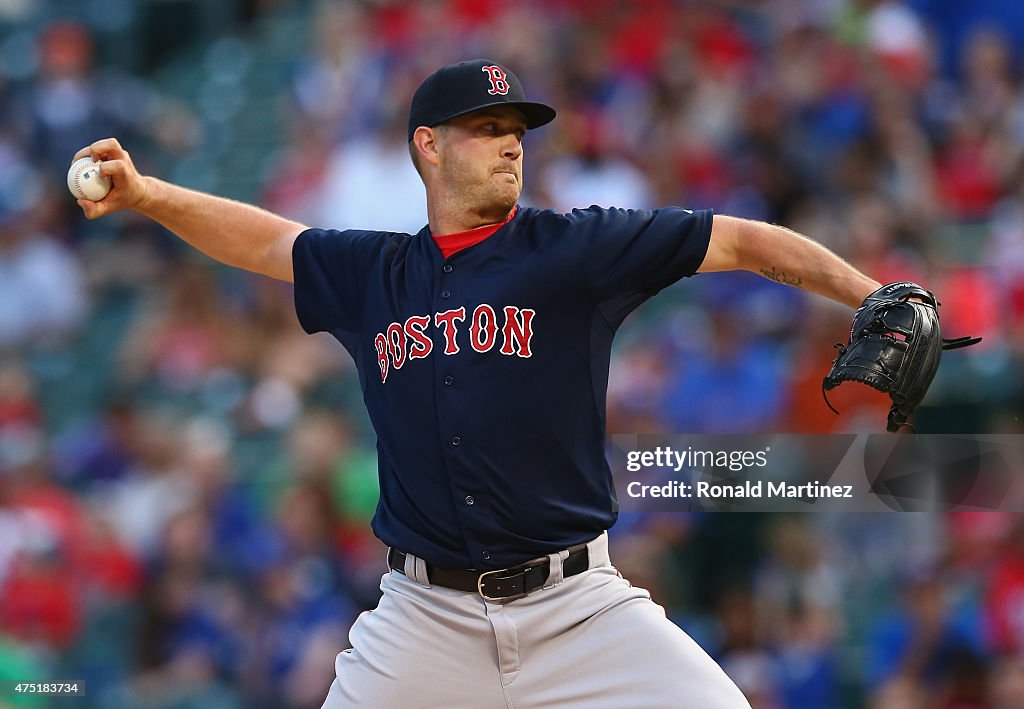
<point>485,374</point>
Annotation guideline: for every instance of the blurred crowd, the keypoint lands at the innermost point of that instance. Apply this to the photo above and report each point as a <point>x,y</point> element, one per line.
<point>186,479</point>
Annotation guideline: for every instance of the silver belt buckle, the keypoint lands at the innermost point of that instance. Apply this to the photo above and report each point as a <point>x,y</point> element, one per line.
<point>523,568</point>
<point>480,585</point>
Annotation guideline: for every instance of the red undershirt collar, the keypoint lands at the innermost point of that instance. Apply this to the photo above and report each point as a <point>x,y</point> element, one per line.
<point>453,243</point>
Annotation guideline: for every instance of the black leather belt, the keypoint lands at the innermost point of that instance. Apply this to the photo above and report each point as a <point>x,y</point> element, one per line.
<point>500,584</point>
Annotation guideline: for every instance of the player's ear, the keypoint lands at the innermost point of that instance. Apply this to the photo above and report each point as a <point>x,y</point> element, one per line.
<point>426,142</point>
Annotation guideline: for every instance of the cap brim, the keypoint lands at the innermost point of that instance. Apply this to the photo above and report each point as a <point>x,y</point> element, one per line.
<point>537,114</point>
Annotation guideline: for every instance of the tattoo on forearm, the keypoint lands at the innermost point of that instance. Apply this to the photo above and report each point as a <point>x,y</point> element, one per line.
<point>781,277</point>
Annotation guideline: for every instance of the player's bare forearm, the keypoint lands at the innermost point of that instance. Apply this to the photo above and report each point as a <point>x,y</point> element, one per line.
<point>786,257</point>
<point>231,232</point>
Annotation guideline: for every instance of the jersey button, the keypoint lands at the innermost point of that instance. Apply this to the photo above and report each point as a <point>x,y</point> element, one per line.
<point>447,268</point>
<point>456,440</point>
<point>469,500</point>
<point>449,380</point>
<point>485,555</point>
<point>446,294</point>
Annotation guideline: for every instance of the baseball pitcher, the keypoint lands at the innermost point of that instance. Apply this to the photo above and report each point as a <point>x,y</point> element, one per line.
<point>482,344</point>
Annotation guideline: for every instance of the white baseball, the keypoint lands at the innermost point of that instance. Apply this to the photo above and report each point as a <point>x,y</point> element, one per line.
<point>85,180</point>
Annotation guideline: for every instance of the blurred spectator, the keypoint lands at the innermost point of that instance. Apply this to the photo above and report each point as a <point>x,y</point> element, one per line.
<point>45,559</point>
<point>337,85</point>
<point>351,196</point>
<point>236,535</point>
<point>100,449</point>
<point>302,170</point>
<point>183,650</point>
<point>183,337</point>
<point>72,102</point>
<point>309,607</point>
<point>742,656</point>
<point>896,35</point>
<point>42,294</point>
<point>593,170</point>
<point>322,451</point>
<point>966,171</point>
<point>731,385</point>
<point>38,605</point>
<point>140,504</point>
<point>1003,603</point>
<point>928,637</point>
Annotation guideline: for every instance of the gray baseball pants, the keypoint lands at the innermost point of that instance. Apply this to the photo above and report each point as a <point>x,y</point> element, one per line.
<point>591,641</point>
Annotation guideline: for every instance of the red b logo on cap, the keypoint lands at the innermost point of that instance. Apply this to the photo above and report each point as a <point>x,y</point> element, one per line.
<point>499,82</point>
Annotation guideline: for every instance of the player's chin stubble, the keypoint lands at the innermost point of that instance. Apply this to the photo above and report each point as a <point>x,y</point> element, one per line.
<point>506,194</point>
<point>493,195</point>
<point>494,198</point>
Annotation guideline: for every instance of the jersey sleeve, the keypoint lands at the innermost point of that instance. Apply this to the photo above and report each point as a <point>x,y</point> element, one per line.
<point>629,251</point>
<point>330,274</point>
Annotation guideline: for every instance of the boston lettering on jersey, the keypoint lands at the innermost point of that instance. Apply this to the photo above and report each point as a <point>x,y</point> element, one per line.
<point>404,342</point>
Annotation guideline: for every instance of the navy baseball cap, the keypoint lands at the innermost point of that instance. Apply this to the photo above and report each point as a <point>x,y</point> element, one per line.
<point>457,89</point>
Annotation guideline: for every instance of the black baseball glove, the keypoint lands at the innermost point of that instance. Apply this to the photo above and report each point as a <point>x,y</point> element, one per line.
<point>895,346</point>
